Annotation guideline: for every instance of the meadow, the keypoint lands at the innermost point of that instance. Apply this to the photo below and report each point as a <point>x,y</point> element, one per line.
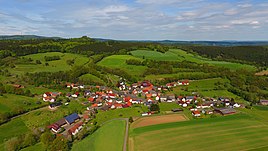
<point>234,132</point>
<point>180,55</point>
<point>15,103</point>
<point>109,137</point>
<point>119,61</point>
<point>54,66</point>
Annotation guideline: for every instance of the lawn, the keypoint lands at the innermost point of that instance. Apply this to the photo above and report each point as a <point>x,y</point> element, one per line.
<point>180,75</point>
<point>234,132</point>
<point>154,55</point>
<point>206,84</point>
<point>54,66</point>
<point>119,61</point>
<point>109,137</point>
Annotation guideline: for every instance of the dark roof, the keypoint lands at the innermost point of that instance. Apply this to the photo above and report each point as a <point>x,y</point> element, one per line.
<point>177,110</point>
<point>61,122</point>
<point>71,118</point>
<point>225,111</point>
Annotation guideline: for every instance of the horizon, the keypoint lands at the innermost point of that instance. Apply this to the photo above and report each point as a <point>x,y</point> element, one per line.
<point>176,20</point>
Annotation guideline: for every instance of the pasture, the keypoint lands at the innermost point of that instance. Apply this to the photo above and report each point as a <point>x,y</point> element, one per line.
<point>16,103</point>
<point>109,137</point>
<point>119,61</point>
<point>180,55</point>
<point>92,79</point>
<point>234,132</point>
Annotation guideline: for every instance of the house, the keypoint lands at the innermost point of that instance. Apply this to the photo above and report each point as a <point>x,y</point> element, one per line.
<point>146,114</point>
<point>264,102</point>
<point>54,105</point>
<point>171,98</point>
<point>55,128</point>
<point>196,113</point>
<point>163,98</point>
<point>72,118</point>
<point>76,128</point>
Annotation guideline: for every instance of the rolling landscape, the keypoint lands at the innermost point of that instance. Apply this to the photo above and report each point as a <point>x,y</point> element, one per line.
<point>136,75</point>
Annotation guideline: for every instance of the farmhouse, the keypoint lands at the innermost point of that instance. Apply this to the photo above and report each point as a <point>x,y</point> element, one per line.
<point>72,118</point>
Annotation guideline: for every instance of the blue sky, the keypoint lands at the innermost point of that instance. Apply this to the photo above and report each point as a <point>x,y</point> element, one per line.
<point>137,19</point>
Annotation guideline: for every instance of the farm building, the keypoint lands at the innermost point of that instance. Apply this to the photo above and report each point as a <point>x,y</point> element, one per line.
<point>224,111</point>
<point>177,110</point>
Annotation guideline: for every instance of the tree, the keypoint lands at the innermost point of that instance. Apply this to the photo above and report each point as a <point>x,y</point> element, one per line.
<point>29,140</point>
<point>155,107</point>
<point>38,62</point>
<point>13,144</point>
<point>130,119</point>
<point>60,144</point>
<point>46,138</point>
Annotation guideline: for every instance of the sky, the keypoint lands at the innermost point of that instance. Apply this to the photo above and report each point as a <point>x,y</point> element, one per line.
<point>137,19</point>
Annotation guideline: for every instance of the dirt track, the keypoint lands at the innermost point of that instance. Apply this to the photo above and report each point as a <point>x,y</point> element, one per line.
<point>153,120</point>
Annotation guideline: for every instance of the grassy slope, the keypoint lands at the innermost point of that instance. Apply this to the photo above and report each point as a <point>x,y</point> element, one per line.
<point>13,128</point>
<point>54,66</point>
<point>90,77</point>
<point>36,147</point>
<point>235,132</point>
<point>180,55</point>
<point>119,61</point>
<point>9,102</point>
<point>109,137</point>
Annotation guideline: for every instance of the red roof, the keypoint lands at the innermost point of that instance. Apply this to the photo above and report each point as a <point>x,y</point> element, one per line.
<point>196,112</point>
<point>127,99</point>
<point>94,105</point>
<point>71,130</point>
<point>91,99</point>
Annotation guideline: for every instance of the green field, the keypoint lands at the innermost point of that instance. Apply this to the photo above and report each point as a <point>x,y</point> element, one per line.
<point>180,55</point>
<point>180,75</point>
<point>54,66</point>
<point>104,116</point>
<point>13,128</point>
<point>36,147</point>
<point>234,132</point>
<point>14,103</point>
<point>109,137</point>
<point>91,78</point>
<point>119,61</point>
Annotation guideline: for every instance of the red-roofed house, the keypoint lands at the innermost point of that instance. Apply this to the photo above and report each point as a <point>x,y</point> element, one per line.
<point>76,128</point>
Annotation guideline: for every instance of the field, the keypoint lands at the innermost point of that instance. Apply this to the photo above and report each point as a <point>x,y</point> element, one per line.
<point>109,137</point>
<point>92,79</point>
<point>119,61</point>
<point>180,55</point>
<point>54,66</point>
<point>234,132</point>
<point>103,116</point>
<point>14,103</point>
<point>153,120</point>
<point>180,75</point>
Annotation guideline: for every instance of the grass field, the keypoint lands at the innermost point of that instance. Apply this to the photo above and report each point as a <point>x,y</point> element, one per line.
<point>109,137</point>
<point>91,78</point>
<point>12,103</point>
<point>36,147</point>
<point>234,132</point>
<point>104,116</point>
<point>180,75</point>
<point>54,66</point>
<point>119,61</point>
<point>13,128</point>
<point>180,55</point>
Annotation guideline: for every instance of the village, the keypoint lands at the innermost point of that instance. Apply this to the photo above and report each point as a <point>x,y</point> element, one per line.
<point>142,93</point>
